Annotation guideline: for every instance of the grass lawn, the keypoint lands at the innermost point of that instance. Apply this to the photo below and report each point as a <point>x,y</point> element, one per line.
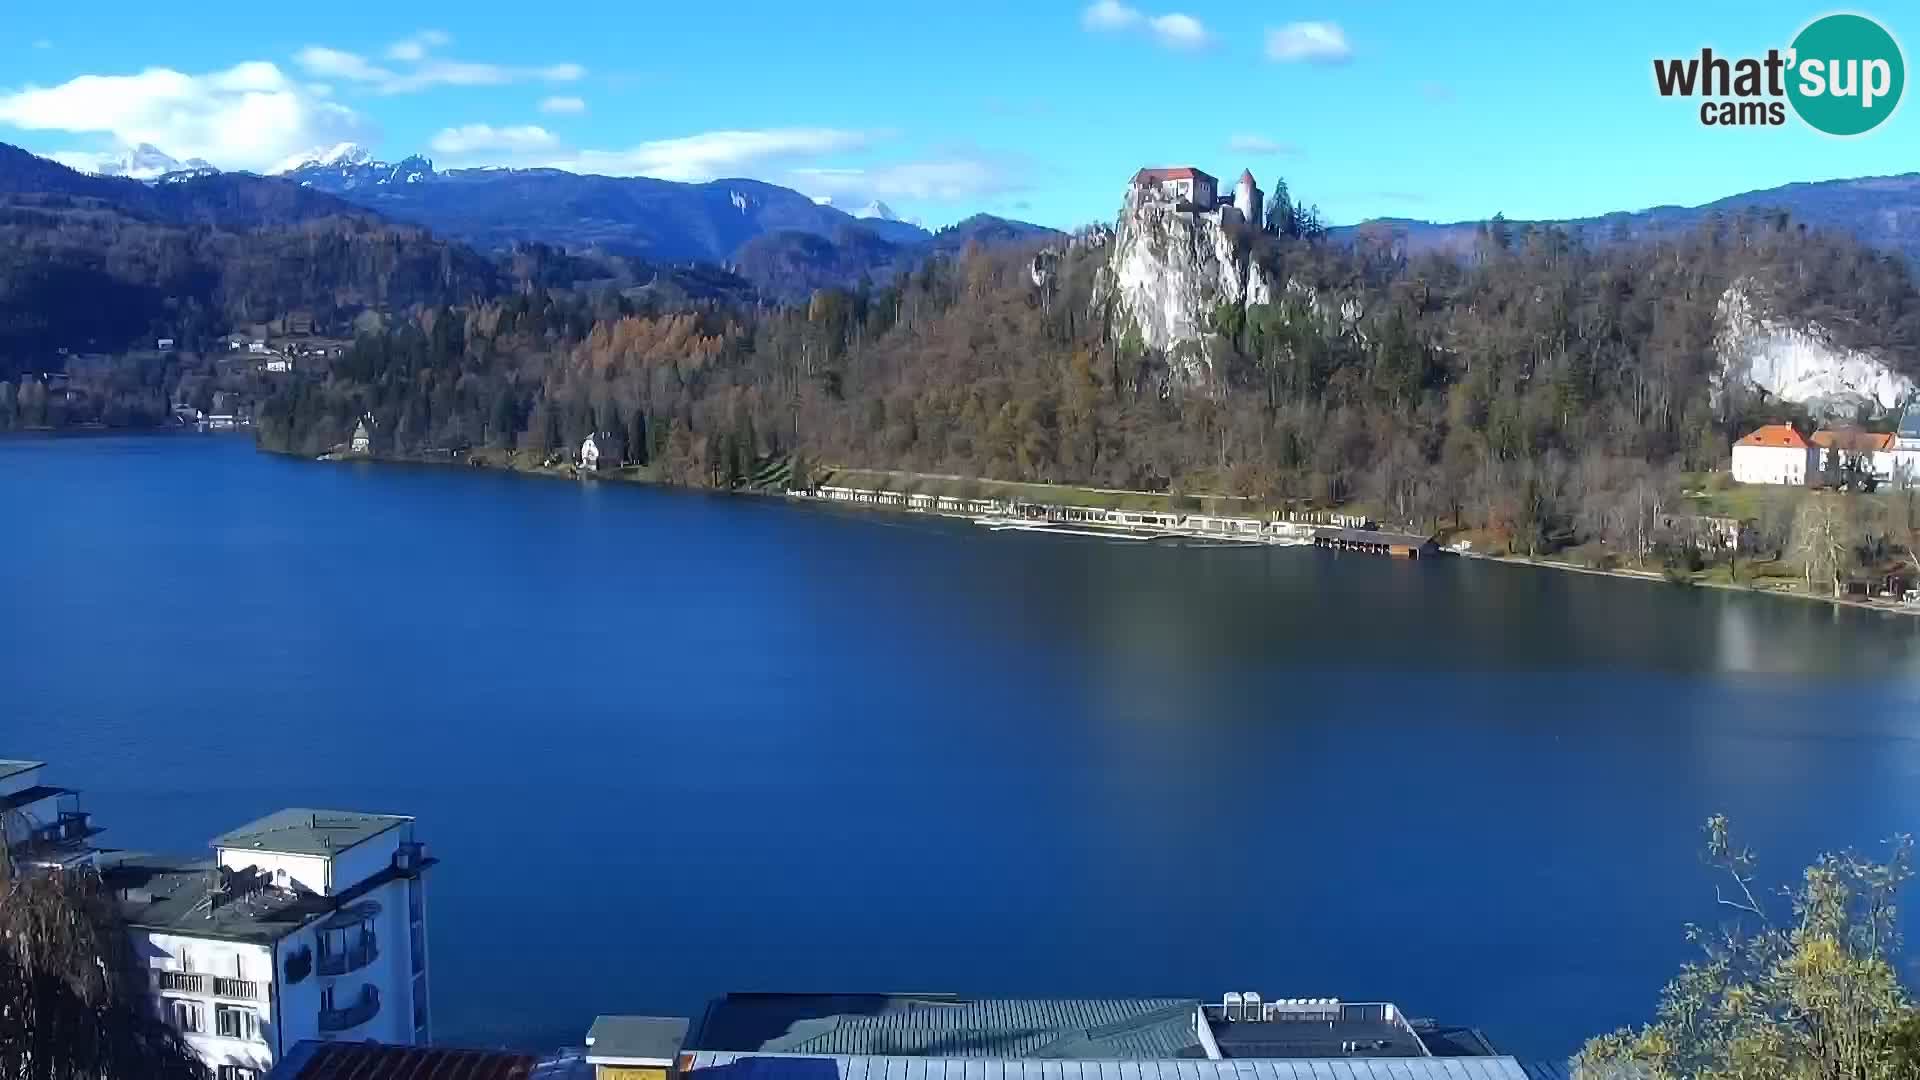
<point>967,487</point>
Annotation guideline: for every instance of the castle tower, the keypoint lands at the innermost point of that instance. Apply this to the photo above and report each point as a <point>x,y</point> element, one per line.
<point>1247,199</point>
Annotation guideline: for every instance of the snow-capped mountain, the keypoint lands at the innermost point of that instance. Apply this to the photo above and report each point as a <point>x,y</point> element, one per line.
<point>353,169</point>
<point>146,162</point>
<point>870,213</point>
<point>345,153</point>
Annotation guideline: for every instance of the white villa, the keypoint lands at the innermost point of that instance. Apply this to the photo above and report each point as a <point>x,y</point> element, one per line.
<point>1905,451</point>
<point>1870,450</point>
<point>362,436</point>
<point>1775,454</point>
<point>303,925</point>
<point>599,450</point>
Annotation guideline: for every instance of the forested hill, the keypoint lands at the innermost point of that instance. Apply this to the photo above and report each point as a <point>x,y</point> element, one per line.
<point>92,264</point>
<point>97,264</point>
<point>1529,387</point>
<point>1880,211</point>
<point>221,200</point>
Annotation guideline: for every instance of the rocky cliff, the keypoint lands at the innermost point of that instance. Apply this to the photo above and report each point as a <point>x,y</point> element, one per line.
<point>1169,268</point>
<point>1797,362</point>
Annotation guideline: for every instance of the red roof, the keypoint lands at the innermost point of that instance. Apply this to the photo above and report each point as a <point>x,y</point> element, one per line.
<point>1858,441</point>
<point>1184,172</point>
<point>375,1061</point>
<point>1246,176</point>
<point>1775,435</point>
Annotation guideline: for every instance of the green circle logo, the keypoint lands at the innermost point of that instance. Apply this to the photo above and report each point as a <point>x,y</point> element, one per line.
<point>1847,74</point>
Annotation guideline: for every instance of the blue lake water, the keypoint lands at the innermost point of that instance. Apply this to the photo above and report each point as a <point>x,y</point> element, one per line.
<point>669,745</point>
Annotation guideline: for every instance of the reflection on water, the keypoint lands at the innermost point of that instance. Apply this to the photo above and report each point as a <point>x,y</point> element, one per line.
<point>695,744</point>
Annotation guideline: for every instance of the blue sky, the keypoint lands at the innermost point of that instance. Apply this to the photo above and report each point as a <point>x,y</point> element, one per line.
<point>1033,109</point>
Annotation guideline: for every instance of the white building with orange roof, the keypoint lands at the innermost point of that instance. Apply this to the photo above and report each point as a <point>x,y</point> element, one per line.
<point>1775,454</point>
<point>1870,451</point>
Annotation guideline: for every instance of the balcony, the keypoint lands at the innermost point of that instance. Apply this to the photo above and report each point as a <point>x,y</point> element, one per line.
<point>352,958</point>
<point>244,989</point>
<point>363,1009</point>
<point>56,843</point>
<point>180,982</point>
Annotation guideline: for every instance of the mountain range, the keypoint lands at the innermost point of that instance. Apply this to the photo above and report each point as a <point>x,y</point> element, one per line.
<point>656,219</point>
<point>1881,211</point>
<point>787,243</point>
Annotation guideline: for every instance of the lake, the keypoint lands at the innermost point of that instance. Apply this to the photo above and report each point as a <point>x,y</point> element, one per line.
<point>668,745</point>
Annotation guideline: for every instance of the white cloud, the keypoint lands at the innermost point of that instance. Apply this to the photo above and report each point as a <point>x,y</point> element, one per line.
<point>563,105</point>
<point>714,154</point>
<point>77,160</point>
<point>1314,42</point>
<point>485,138</point>
<point>1260,144</point>
<point>1174,30</point>
<point>1109,15</point>
<point>945,180</point>
<point>415,48</point>
<point>426,73</point>
<point>335,64</point>
<point>1177,31</point>
<point>249,116</point>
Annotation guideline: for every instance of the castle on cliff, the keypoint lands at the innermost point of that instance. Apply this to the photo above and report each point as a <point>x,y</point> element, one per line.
<point>1188,187</point>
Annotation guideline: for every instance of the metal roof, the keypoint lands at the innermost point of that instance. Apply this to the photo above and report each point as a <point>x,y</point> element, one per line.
<point>636,1038</point>
<point>954,1027</point>
<point>29,796</point>
<point>1371,536</point>
<point>710,1065</point>
<point>303,831</point>
<point>14,767</point>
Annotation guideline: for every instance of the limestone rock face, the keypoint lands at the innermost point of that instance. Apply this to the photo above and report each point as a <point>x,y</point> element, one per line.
<point>1170,266</point>
<point>1796,362</point>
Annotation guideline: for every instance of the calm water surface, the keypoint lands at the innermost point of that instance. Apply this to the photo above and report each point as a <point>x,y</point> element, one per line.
<point>669,745</point>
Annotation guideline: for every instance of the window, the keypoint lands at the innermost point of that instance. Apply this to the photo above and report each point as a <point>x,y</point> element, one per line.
<point>233,1022</point>
<point>235,1072</point>
<point>184,1015</point>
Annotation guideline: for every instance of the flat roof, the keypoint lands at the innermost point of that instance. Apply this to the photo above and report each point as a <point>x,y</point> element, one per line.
<point>710,1065</point>
<point>303,831</point>
<point>943,1025</point>
<point>29,796</point>
<point>636,1039</point>
<point>1376,1038</point>
<point>176,893</point>
<point>10,767</point>
<point>195,896</point>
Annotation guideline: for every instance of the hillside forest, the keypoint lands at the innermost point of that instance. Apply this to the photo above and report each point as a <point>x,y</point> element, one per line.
<point>1547,390</point>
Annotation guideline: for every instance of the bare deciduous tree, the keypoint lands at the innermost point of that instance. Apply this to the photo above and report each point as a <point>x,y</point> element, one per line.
<point>73,1001</point>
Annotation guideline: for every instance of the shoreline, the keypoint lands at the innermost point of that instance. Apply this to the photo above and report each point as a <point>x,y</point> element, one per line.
<point>627,477</point>
<point>1652,578</point>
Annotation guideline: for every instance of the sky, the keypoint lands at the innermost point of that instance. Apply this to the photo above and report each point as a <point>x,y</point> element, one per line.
<point>1038,110</point>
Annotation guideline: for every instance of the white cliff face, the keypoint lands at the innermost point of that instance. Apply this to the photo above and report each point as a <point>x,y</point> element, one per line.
<point>1797,363</point>
<point>1169,269</point>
